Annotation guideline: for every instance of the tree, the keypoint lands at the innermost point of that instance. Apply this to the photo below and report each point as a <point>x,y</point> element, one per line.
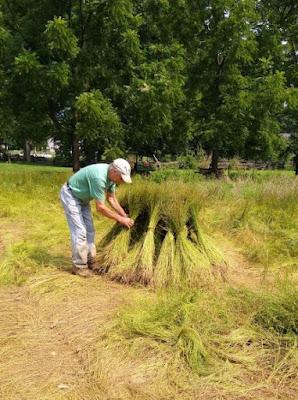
<point>226,78</point>
<point>279,41</point>
<point>61,70</point>
<point>150,75</point>
<point>6,117</point>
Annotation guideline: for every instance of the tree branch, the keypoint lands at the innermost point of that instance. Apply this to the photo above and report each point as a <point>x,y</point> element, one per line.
<point>69,12</point>
<point>84,24</point>
<point>285,17</point>
<point>52,115</point>
<point>14,24</point>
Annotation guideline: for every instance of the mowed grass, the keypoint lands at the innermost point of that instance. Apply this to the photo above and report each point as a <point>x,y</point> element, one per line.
<point>64,337</point>
<point>23,167</point>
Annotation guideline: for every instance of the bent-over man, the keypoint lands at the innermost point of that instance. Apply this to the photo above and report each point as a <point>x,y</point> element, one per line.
<point>92,182</point>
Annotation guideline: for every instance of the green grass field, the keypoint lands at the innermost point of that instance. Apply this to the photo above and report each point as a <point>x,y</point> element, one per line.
<point>63,337</point>
<point>23,167</point>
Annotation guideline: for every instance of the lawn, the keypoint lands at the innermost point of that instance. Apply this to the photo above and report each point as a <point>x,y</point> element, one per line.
<point>63,337</point>
<point>23,167</point>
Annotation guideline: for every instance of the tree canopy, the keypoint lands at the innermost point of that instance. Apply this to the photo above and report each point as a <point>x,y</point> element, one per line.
<point>149,76</point>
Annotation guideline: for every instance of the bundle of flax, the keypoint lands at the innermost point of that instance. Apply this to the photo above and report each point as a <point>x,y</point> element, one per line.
<point>139,263</point>
<point>166,246</point>
<point>190,268</point>
<point>121,244</point>
<point>116,250</point>
<point>204,242</point>
<point>164,274</point>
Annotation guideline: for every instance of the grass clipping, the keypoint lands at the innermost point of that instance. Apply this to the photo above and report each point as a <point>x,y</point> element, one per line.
<point>166,247</point>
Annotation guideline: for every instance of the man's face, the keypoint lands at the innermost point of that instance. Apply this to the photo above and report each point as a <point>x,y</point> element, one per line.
<point>114,176</point>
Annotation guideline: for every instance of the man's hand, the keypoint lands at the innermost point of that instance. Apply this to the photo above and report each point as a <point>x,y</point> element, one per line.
<point>115,204</point>
<point>126,221</point>
<point>123,218</point>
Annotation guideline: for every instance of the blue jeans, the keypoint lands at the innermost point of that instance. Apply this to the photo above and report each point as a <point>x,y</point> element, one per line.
<point>79,218</point>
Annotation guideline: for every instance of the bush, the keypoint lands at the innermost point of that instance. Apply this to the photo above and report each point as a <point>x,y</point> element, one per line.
<point>163,174</point>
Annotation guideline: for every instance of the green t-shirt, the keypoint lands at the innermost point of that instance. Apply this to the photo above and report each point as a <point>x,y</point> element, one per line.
<point>91,182</point>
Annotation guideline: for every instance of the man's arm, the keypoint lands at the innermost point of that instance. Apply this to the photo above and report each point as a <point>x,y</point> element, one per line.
<point>123,220</point>
<point>112,200</point>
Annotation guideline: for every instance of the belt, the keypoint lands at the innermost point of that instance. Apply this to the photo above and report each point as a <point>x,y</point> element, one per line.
<point>67,184</point>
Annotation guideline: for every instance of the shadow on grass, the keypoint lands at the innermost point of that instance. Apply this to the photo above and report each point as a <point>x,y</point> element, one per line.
<point>45,258</point>
<point>22,260</point>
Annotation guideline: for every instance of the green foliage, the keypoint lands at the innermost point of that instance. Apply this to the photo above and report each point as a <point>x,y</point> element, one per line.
<point>172,76</point>
<point>58,74</point>
<point>27,63</point>
<point>153,97</point>
<point>165,174</point>
<point>98,118</point>
<point>62,42</point>
<point>189,161</point>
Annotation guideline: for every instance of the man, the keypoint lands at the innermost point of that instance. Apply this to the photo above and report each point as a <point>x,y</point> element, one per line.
<point>92,182</point>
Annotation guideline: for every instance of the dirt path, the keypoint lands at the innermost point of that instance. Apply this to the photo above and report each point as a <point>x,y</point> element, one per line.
<point>48,334</point>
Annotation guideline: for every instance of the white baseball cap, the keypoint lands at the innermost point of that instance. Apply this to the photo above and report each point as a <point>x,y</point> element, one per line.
<point>123,167</point>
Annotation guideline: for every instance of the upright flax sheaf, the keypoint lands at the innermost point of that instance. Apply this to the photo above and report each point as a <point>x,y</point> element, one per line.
<point>117,249</point>
<point>164,273</point>
<point>205,244</point>
<point>138,266</point>
<point>191,268</point>
<point>166,246</point>
<point>145,267</point>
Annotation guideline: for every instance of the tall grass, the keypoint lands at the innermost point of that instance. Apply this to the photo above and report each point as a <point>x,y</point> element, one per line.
<point>32,225</point>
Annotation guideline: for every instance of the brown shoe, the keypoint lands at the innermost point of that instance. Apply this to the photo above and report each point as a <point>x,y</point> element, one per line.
<point>83,272</point>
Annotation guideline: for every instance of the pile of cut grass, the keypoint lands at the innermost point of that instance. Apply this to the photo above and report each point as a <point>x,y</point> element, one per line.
<point>220,337</point>
<point>167,245</point>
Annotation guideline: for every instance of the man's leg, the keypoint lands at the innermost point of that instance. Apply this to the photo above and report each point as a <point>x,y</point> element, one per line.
<point>73,211</point>
<point>91,249</point>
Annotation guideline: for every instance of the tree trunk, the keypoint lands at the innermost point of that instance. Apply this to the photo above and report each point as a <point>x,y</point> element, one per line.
<point>214,162</point>
<point>27,149</point>
<point>296,164</point>
<point>90,154</point>
<point>75,153</point>
<point>75,144</point>
<point>218,102</point>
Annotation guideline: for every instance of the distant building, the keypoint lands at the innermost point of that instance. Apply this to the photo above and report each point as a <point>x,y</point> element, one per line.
<point>286,135</point>
<point>52,146</point>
